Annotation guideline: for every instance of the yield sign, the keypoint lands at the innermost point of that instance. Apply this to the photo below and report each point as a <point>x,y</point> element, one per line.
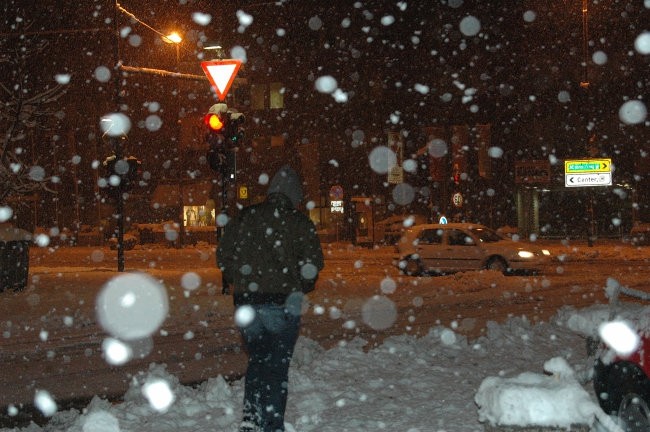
<point>221,74</point>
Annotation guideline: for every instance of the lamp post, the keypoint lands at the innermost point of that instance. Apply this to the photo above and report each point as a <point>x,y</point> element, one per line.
<point>116,143</point>
<point>584,84</point>
<point>176,39</point>
<point>585,43</point>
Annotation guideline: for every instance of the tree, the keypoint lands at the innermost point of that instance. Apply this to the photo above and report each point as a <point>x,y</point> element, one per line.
<point>27,109</point>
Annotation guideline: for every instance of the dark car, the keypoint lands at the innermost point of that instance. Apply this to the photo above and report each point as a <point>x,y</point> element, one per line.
<point>640,234</point>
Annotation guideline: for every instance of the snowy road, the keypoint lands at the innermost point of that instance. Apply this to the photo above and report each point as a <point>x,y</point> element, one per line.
<point>50,332</point>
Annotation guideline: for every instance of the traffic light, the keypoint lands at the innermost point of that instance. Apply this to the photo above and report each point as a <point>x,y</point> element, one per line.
<point>123,173</point>
<point>225,132</point>
<point>235,128</point>
<point>456,175</point>
<point>216,123</point>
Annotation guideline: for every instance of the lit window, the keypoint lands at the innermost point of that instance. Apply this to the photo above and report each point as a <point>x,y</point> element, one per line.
<point>257,96</point>
<point>276,95</point>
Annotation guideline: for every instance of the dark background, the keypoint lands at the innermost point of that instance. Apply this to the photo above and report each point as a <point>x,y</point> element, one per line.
<point>516,67</point>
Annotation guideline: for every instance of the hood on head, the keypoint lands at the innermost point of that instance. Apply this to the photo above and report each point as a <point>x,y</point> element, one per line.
<point>287,182</point>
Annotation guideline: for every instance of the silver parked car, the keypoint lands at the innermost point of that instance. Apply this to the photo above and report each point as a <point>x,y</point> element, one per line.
<point>446,248</point>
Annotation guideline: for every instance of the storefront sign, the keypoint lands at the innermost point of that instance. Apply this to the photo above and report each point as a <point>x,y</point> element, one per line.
<point>396,175</point>
<point>336,206</point>
<point>243,192</point>
<point>534,171</point>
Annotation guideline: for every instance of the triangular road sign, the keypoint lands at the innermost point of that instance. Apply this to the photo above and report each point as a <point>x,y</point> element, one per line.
<point>221,74</point>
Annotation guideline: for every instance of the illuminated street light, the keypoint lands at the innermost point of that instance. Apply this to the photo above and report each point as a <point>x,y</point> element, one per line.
<point>176,39</point>
<point>172,37</point>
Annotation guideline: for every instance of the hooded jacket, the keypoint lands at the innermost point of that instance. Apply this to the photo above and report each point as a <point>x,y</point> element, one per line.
<point>271,249</point>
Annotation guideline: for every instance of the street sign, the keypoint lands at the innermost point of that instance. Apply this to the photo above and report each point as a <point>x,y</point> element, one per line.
<point>336,193</point>
<point>587,172</point>
<point>221,74</point>
<point>457,199</point>
<point>588,166</point>
<point>396,175</point>
<point>588,179</point>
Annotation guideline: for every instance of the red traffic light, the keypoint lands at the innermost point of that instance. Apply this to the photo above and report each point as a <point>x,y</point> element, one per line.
<point>214,122</point>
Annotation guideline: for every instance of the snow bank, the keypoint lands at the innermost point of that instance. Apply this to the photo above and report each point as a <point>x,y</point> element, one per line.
<point>408,383</point>
<point>556,400</point>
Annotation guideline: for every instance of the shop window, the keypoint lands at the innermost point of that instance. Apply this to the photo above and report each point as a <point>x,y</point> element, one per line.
<point>198,216</point>
<point>269,96</point>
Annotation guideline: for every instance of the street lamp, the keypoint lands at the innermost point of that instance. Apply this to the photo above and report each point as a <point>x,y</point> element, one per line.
<point>176,39</point>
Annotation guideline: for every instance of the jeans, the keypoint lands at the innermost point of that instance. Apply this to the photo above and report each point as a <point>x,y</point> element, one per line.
<point>270,339</point>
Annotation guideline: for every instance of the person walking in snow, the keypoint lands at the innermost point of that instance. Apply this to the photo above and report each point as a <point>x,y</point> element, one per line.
<point>270,256</point>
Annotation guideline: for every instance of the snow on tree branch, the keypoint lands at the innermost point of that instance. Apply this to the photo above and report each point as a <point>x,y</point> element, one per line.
<point>25,107</point>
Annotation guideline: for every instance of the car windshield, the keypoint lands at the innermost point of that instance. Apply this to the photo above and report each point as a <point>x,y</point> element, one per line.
<point>486,235</point>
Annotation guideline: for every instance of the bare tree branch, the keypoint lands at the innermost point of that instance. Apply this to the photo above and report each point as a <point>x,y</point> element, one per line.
<point>22,109</point>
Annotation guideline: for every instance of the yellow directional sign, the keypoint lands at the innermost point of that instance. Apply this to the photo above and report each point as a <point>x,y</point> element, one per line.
<point>588,166</point>
<point>243,192</point>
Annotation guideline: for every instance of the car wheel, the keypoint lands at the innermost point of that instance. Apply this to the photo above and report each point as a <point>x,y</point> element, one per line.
<point>633,414</point>
<point>498,264</point>
<point>615,382</point>
<point>413,267</point>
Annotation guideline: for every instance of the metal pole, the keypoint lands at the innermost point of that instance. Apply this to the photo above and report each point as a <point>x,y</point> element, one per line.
<point>117,146</point>
<point>585,38</point>
<point>585,85</point>
<point>182,232</point>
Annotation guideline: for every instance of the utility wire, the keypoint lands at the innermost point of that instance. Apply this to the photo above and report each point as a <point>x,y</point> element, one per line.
<point>90,30</point>
<point>138,20</point>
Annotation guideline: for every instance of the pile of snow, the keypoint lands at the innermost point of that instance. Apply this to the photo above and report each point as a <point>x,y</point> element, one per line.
<point>554,400</point>
<point>408,384</point>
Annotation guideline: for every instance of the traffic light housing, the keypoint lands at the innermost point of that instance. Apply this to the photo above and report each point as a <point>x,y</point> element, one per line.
<point>127,169</point>
<point>235,130</point>
<point>225,132</point>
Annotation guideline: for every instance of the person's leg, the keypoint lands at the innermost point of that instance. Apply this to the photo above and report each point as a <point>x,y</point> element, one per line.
<point>253,335</point>
<point>283,329</point>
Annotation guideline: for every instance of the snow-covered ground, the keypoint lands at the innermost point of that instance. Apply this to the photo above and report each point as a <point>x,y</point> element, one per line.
<point>514,374</point>
<point>407,384</point>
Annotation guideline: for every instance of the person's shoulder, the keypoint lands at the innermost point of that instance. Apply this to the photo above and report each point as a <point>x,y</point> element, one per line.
<point>303,219</point>
<point>252,208</point>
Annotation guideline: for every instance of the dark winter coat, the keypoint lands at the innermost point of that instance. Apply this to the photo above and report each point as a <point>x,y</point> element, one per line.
<point>270,250</point>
